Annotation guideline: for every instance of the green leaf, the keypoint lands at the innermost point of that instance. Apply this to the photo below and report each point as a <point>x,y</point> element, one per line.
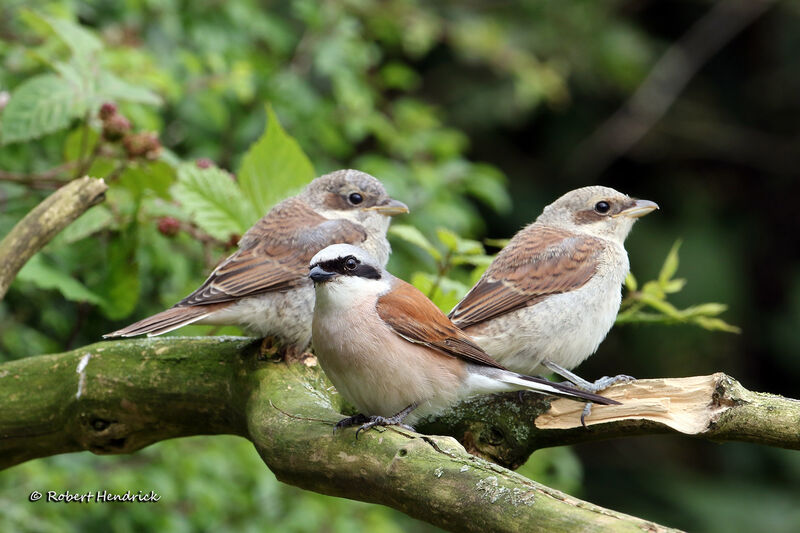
<point>630,282</point>
<point>448,238</point>
<point>447,293</point>
<point>674,285</point>
<point>81,41</point>
<point>414,236</point>
<point>79,142</point>
<point>707,309</point>
<point>155,176</point>
<point>670,264</point>
<point>92,221</point>
<point>121,285</point>
<point>496,243</point>
<point>44,276</point>
<point>274,167</point>
<point>214,201</point>
<point>472,259</point>
<point>41,105</point>
<point>715,324</point>
<point>113,88</point>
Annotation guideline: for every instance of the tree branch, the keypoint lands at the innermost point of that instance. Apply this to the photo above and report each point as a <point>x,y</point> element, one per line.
<point>44,222</point>
<point>117,397</point>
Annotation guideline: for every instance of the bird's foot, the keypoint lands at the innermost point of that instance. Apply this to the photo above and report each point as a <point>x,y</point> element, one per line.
<point>368,422</point>
<point>600,385</point>
<point>293,354</point>
<point>588,386</point>
<point>269,348</point>
<point>350,421</point>
<point>272,348</point>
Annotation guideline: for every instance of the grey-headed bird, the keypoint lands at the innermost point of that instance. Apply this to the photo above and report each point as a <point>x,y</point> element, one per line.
<point>264,286</point>
<point>552,294</point>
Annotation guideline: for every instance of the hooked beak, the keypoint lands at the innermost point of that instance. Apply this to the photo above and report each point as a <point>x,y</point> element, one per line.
<point>320,275</point>
<point>389,208</point>
<point>639,208</point>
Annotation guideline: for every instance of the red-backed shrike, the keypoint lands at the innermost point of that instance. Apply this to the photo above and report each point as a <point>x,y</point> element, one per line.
<point>264,286</point>
<point>551,295</point>
<point>392,353</point>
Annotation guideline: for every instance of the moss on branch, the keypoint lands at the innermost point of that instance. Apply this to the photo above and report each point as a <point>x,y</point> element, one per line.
<point>117,397</point>
<point>44,222</point>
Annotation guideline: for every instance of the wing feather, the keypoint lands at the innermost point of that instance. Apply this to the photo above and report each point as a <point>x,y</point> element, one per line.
<point>415,318</point>
<point>537,263</point>
<point>274,254</point>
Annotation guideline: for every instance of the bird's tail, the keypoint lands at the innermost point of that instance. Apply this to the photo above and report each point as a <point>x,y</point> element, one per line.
<point>172,318</point>
<point>515,381</point>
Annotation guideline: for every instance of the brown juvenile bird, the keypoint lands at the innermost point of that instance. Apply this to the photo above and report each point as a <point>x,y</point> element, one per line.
<point>264,286</point>
<point>552,294</point>
<point>392,353</point>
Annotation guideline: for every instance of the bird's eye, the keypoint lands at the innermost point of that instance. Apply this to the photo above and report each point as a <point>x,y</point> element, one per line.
<point>602,207</point>
<point>350,263</point>
<point>355,198</point>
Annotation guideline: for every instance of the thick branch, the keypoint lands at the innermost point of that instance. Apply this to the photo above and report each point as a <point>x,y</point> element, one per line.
<point>44,222</point>
<point>117,397</point>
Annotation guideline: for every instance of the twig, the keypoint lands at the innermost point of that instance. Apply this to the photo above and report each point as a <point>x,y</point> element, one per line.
<point>665,82</point>
<point>44,222</point>
<point>40,180</point>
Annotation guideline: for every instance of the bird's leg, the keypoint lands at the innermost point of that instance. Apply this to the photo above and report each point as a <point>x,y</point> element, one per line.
<point>269,347</point>
<point>580,383</point>
<point>368,422</point>
<point>295,354</point>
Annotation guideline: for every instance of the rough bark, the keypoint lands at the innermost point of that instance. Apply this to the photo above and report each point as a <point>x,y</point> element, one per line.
<point>117,397</point>
<point>44,222</point>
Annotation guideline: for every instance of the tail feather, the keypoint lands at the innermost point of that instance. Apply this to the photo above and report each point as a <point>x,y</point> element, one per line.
<point>168,320</point>
<point>548,387</point>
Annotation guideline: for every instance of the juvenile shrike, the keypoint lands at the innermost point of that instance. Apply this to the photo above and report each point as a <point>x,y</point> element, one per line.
<point>550,296</point>
<point>392,353</point>
<point>264,286</point>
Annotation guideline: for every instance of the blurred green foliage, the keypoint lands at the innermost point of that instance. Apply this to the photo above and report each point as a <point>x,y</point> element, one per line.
<point>406,90</point>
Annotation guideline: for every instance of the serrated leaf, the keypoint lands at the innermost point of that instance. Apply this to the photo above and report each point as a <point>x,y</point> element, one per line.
<point>670,265</point>
<point>41,105</point>
<point>81,41</point>
<point>414,236</point>
<point>44,276</point>
<point>274,167</point>
<point>630,282</point>
<point>116,89</point>
<point>214,201</point>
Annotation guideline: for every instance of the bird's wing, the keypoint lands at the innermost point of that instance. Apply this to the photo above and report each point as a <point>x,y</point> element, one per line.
<point>273,255</point>
<point>415,318</point>
<point>540,261</point>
